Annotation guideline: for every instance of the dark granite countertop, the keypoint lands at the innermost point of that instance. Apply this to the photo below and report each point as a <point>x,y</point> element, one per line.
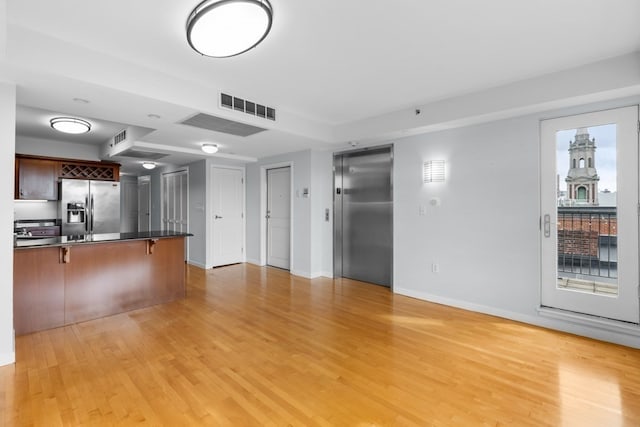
<point>35,242</point>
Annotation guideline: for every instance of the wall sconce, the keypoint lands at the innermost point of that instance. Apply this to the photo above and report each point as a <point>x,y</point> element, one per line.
<point>433,171</point>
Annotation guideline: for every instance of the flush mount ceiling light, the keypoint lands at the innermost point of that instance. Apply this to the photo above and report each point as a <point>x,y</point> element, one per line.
<point>209,148</point>
<point>148,165</point>
<point>70,125</point>
<point>224,28</point>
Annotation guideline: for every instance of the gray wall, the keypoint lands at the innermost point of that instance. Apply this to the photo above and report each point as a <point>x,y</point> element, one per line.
<point>128,206</point>
<point>197,214</point>
<point>485,235</point>
<point>301,221</point>
<point>7,162</point>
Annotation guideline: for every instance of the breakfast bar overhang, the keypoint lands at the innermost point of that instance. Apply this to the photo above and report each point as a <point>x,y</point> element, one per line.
<point>68,279</point>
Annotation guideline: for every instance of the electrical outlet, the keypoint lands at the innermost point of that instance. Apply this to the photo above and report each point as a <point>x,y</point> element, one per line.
<point>422,210</point>
<point>435,268</point>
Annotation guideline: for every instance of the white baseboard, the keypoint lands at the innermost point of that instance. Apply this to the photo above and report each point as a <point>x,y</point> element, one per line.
<point>7,358</point>
<point>304,274</point>
<point>197,264</point>
<point>254,261</point>
<point>627,335</point>
<point>321,274</point>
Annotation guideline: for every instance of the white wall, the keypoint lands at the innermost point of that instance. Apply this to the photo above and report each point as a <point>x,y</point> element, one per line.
<point>310,170</point>
<point>197,215</point>
<point>301,225</point>
<point>54,148</point>
<point>485,235</point>
<point>321,199</point>
<point>7,163</point>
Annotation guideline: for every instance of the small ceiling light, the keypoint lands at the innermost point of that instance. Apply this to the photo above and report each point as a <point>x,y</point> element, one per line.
<point>209,148</point>
<point>224,28</point>
<point>70,125</point>
<point>149,165</point>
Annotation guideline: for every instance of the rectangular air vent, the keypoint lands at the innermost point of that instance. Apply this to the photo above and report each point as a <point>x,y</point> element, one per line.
<point>248,107</point>
<point>120,137</point>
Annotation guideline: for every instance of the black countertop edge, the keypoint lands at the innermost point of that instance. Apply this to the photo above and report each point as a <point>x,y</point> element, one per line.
<point>84,239</point>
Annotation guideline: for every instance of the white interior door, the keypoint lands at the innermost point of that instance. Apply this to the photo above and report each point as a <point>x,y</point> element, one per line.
<point>589,217</point>
<point>144,203</point>
<point>175,213</point>
<point>227,210</point>
<point>278,217</point>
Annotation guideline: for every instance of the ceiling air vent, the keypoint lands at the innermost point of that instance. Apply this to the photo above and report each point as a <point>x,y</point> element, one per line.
<point>248,107</point>
<point>218,124</point>
<point>120,137</point>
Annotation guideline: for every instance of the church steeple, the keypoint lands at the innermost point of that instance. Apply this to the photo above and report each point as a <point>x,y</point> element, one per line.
<point>582,178</point>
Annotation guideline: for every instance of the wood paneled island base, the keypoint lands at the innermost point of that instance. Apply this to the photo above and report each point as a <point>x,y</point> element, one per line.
<point>64,284</point>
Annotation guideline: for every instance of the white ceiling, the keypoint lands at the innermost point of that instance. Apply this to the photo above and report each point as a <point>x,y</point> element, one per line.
<point>325,63</point>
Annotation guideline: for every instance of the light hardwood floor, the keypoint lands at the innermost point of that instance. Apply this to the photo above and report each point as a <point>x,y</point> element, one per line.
<point>253,346</point>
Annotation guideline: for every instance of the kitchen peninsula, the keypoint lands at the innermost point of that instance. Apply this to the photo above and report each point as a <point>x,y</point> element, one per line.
<point>62,280</point>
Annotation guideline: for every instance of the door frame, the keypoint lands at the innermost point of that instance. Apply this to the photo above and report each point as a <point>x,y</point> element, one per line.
<point>547,130</point>
<point>263,211</point>
<point>337,212</point>
<point>209,211</point>
<point>267,243</point>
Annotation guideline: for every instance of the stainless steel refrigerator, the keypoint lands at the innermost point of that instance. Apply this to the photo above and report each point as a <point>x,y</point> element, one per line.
<point>89,207</point>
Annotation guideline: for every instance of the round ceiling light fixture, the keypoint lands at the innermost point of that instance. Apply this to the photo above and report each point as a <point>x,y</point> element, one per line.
<point>209,148</point>
<point>224,28</point>
<point>149,165</point>
<point>70,125</point>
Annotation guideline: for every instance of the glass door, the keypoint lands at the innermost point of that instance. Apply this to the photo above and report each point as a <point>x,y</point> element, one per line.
<point>589,213</point>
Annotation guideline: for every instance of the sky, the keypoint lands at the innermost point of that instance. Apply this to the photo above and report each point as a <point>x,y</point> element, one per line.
<point>605,157</point>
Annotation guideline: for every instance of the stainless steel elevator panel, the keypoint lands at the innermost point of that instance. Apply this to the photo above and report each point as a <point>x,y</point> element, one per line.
<point>363,223</point>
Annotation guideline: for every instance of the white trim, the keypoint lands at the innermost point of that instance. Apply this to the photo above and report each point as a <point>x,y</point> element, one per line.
<point>197,264</point>
<point>304,274</point>
<point>7,358</point>
<point>590,321</point>
<point>263,210</point>
<point>624,305</point>
<point>327,274</point>
<point>614,332</point>
<point>254,262</point>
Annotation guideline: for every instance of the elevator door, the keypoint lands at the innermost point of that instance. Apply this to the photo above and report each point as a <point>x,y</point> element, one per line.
<point>363,206</point>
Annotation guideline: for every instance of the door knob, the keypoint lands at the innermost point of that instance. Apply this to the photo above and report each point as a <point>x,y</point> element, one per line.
<point>217,217</point>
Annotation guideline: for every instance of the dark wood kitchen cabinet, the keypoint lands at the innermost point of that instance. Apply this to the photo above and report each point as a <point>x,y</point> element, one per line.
<point>36,179</point>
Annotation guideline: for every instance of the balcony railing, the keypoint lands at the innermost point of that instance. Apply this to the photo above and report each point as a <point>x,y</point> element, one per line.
<point>588,248</point>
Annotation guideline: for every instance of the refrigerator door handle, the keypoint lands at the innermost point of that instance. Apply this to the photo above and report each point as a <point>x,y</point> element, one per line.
<point>86,214</point>
<point>91,216</point>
